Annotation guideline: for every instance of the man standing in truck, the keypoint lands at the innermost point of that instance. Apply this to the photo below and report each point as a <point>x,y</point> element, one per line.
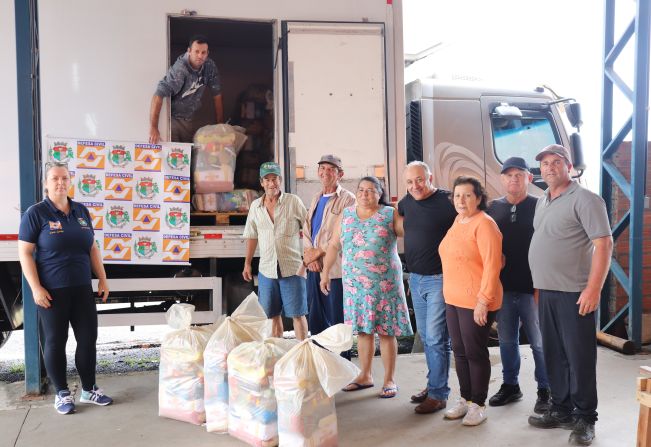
<point>275,221</point>
<point>569,258</point>
<point>513,214</point>
<point>326,206</point>
<point>185,83</point>
<point>428,214</point>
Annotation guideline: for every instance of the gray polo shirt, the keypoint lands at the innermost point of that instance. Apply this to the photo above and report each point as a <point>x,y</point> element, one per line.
<point>560,255</point>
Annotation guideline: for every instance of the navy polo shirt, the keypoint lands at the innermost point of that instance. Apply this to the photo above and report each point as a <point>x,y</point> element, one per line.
<point>63,243</point>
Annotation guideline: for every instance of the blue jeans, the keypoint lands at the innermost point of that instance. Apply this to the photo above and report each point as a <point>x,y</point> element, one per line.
<point>429,307</point>
<point>518,307</point>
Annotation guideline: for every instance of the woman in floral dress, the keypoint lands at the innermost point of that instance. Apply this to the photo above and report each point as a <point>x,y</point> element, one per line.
<point>374,295</point>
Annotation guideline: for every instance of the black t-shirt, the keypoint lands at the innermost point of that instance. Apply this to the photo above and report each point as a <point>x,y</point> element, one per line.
<point>516,238</point>
<point>426,223</point>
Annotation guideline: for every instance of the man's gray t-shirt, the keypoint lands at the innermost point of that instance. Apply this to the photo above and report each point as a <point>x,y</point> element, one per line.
<point>560,255</point>
<point>185,86</point>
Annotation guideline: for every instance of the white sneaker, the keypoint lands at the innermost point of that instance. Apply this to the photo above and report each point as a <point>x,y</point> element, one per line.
<point>458,411</point>
<point>476,415</point>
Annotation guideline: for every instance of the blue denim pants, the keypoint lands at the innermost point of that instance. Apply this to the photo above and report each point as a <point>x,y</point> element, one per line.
<point>518,307</point>
<point>429,307</point>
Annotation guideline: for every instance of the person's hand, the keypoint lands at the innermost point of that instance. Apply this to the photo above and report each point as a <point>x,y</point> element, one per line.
<point>246,273</point>
<point>154,135</point>
<point>311,254</point>
<point>536,296</point>
<point>588,301</point>
<point>480,314</point>
<point>42,297</point>
<point>102,289</point>
<point>315,266</point>
<point>325,283</point>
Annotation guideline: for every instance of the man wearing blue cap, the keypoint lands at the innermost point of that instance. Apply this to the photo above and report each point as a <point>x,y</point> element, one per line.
<point>275,221</point>
<point>514,215</point>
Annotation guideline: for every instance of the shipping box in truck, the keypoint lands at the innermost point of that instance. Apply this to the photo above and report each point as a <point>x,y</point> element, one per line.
<point>303,78</point>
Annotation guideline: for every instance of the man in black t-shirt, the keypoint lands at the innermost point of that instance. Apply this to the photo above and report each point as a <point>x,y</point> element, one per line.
<point>428,214</point>
<point>514,215</point>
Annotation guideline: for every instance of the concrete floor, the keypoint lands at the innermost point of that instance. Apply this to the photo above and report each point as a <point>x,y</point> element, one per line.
<point>364,420</point>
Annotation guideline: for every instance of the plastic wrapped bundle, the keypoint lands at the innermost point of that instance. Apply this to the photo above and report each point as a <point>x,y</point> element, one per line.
<point>206,202</point>
<point>213,160</point>
<point>181,378</point>
<point>306,380</point>
<point>247,323</point>
<point>253,414</point>
<point>238,200</point>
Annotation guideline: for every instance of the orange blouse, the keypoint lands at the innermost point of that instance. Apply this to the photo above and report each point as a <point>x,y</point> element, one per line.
<point>471,254</point>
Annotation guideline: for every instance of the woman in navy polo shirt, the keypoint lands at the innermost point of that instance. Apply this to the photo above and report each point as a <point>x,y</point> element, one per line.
<point>57,253</point>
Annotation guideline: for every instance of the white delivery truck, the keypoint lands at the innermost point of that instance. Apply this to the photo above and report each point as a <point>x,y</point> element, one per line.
<point>303,77</point>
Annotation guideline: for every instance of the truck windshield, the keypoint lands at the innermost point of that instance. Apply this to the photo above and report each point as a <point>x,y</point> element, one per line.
<point>523,137</point>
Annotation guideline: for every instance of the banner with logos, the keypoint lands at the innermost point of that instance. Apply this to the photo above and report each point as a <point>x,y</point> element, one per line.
<point>138,196</point>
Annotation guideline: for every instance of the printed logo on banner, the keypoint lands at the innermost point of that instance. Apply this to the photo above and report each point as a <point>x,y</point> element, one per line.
<point>89,185</point>
<point>177,159</point>
<point>177,189</point>
<point>176,218</point>
<point>144,247</point>
<point>60,152</point>
<point>147,188</point>
<point>148,157</point>
<point>117,216</point>
<point>146,217</point>
<point>90,154</point>
<point>119,186</point>
<point>119,156</point>
<point>176,248</point>
<point>96,210</point>
<point>117,247</point>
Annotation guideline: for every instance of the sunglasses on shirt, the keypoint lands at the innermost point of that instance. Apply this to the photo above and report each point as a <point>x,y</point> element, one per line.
<point>514,216</point>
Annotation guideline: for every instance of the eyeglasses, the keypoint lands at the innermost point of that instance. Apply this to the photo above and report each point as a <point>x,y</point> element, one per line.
<point>514,216</point>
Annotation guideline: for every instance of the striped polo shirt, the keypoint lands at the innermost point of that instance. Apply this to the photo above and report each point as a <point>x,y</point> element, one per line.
<point>278,241</point>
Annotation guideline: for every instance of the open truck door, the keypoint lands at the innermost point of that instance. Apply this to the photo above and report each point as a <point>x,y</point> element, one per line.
<point>335,101</point>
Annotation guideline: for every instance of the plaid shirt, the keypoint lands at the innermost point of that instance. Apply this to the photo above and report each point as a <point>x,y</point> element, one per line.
<point>279,240</point>
<point>333,209</point>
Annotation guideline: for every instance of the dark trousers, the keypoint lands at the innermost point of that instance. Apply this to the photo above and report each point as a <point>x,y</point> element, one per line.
<point>324,310</point>
<point>470,348</point>
<point>183,130</point>
<point>570,348</point>
<point>74,306</point>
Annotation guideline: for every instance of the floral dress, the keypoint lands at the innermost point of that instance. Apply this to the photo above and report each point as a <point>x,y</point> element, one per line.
<point>374,295</point>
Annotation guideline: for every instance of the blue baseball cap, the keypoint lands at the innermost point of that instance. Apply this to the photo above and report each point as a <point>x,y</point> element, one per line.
<point>514,162</point>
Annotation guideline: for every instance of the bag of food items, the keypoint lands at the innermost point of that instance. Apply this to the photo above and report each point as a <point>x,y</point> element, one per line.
<point>247,323</point>
<point>213,161</point>
<point>306,380</point>
<point>181,379</point>
<point>252,413</point>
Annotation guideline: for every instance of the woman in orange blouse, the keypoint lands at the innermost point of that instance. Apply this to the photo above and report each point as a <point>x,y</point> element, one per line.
<point>471,254</point>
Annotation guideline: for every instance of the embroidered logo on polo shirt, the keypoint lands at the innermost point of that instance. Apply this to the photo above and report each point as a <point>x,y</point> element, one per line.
<point>55,225</point>
<point>82,221</point>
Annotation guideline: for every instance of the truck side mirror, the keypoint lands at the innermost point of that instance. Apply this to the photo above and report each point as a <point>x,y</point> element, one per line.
<point>573,111</point>
<point>577,152</point>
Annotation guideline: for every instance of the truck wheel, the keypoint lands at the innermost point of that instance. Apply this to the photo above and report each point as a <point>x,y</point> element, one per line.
<point>4,336</point>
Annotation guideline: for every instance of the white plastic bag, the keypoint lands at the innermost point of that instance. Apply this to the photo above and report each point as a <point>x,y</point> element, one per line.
<point>247,323</point>
<point>253,413</point>
<point>213,160</point>
<point>305,380</point>
<point>180,383</point>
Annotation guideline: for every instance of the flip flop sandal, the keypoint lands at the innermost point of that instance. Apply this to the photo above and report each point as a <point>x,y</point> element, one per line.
<point>357,386</point>
<point>388,392</point>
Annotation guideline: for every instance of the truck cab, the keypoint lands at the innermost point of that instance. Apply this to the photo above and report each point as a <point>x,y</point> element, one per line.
<point>470,128</point>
